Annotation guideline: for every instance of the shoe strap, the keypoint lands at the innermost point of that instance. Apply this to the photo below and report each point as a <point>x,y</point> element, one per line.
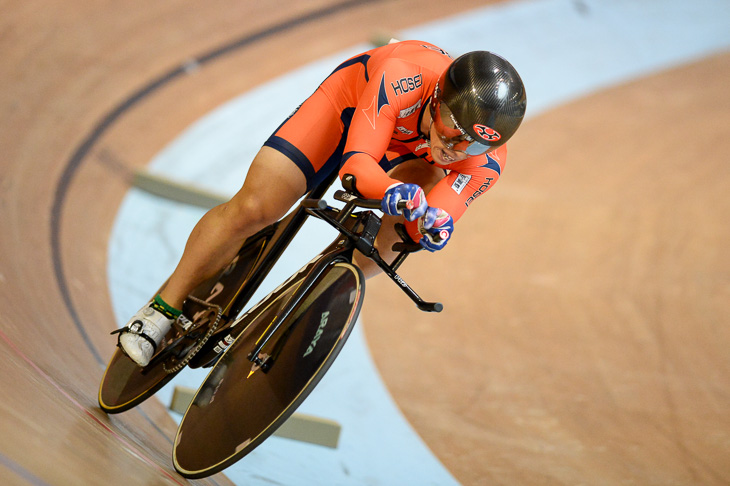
<point>164,308</point>
<point>134,327</point>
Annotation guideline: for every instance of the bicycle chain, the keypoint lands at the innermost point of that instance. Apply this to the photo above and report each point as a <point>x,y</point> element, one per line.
<point>201,343</point>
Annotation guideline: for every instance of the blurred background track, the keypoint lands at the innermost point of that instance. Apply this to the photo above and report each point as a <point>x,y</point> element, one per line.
<point>586,344</point>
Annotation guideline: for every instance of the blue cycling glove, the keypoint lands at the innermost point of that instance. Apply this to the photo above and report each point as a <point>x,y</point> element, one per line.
<point>436,227</point>
<point>412,194</point>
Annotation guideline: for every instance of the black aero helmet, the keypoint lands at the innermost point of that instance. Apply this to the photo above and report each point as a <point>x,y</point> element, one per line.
<point>479,102</point>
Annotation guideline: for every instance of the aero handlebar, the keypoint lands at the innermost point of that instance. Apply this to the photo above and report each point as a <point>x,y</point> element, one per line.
<point>365,243</point>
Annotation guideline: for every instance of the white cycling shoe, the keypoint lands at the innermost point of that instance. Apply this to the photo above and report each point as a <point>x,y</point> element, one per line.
<point>143,333</point>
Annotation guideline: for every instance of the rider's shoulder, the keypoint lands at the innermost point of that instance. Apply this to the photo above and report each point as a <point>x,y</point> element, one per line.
<point>413,57</point>
<point>420,50</point>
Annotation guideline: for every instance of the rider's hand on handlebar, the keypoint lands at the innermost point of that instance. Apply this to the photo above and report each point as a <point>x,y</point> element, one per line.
<point>436,227</point>
<point>412,194</point>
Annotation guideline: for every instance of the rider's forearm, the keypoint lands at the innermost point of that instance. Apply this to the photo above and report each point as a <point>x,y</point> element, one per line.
<point>372,181</point>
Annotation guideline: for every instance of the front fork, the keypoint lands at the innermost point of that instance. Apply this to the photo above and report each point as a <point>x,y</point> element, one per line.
<point>341,249</point>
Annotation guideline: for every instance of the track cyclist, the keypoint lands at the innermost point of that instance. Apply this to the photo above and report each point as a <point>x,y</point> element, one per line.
<point>407,120</point>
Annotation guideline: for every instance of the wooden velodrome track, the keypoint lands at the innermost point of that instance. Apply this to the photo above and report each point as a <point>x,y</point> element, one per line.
<point>588,342</point>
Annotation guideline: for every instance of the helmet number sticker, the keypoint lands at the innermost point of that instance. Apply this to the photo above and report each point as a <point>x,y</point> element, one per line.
<point>488,134</point>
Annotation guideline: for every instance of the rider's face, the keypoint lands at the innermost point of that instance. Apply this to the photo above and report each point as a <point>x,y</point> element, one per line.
<point>450,135</point>
<point>441,153</point>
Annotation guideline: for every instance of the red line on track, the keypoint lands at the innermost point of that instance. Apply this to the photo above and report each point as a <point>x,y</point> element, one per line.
<point>50,380</point>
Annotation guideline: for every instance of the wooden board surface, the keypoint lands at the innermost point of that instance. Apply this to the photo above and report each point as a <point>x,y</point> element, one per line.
<point>588,340</point>
<point>587,343</point>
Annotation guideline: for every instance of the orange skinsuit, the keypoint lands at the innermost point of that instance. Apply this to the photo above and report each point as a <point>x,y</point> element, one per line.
<point>364,120</point>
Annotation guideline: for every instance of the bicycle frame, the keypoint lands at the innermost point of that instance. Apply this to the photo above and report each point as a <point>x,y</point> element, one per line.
<point>342,249</point>
<point>284,232</point>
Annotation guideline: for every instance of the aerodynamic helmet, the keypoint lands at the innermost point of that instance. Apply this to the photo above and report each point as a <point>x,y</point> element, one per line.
<point>479,102</point>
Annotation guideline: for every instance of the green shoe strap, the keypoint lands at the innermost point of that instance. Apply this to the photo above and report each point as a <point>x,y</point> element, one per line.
<point>165,308</point>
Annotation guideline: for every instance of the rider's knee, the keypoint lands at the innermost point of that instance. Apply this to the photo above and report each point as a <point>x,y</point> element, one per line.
<point>246,213</point>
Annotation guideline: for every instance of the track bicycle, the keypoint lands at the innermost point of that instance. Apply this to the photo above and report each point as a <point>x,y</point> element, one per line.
<point>285,344</point>
<point>213,307</point>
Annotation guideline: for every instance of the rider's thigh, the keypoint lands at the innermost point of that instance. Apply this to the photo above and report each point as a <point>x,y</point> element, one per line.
<point>419,172</point>
<point>273,185</point>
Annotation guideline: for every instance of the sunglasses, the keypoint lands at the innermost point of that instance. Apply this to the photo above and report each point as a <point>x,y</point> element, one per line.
<point>454,137</point>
